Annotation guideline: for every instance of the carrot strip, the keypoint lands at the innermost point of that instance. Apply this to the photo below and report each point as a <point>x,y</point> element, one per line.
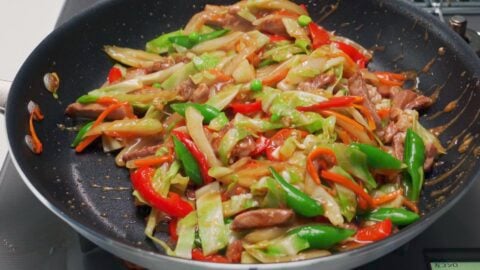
<point>105,113</point>
<point>318,152</point>
<point>383,113</point>
<point>275,78</point>
<point>88,140</point>
<point>410,205</point>
<point>391,79</point>
<point>106,100</point>
<point>37,146</point>
<point>85,142</point>
<point>344,136</point>
<point>367,114</point>
<point>343,120</point>
<point>220,76</point>
<point>387,197</point>
<point>344,181</point>
<point>152,161</point>
<point>395,76</point>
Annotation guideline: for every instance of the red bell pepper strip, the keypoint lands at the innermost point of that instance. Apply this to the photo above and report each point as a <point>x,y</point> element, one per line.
<point>197,255</point>
<point>172,229</point>
<point>261,145</point>
<point>278,139</point>
<point>173,205</point>
<point>351,51</point>
<point>375,232</point>
<point>319,35</point>
<point>246,108</point>
<point>115,74</point>
<point>333,102</point>
<point>303,6</point>
<point>196,153</point>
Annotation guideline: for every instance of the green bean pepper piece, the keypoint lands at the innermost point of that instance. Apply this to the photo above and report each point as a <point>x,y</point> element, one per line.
<point>195,38</point>
<point>81,134</point>
<point>398,216</point>
<point>208,112</point>
<point>322,236</point>
<point>300,202</point>
<point>414,156</point>
<point>379,159</point>
<point>85,99</point>
<point>189,163</point>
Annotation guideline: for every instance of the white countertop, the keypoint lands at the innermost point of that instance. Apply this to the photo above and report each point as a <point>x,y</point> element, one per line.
<point>23,24</point>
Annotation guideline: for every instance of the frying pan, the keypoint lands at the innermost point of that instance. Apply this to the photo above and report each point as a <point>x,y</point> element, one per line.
<point>89,193</point>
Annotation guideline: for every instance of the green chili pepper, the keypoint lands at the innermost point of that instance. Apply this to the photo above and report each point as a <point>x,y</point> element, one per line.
<point>379,159</point>
<point>398,216</point>
<point>81,134</point>
<point>304,20</point>
<point>189,163</point>
<point>195,38</point>
<point>266,62</point>
<point>414,157</point>
<point>322,236</point>
<point>300,202</point>
<point>208,112</point>
<point>85,99</point>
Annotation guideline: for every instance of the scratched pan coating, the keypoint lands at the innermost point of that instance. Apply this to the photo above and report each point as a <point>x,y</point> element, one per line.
<point>94,196</point>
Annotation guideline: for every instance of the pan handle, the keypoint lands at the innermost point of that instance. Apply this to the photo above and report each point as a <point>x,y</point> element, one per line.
<point>4,88</point>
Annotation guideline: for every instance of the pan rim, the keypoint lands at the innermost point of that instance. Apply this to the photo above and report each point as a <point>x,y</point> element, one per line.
<point>377,249</point>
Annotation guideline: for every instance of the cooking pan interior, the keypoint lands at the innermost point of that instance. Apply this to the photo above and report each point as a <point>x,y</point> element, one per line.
<point>88,189</point>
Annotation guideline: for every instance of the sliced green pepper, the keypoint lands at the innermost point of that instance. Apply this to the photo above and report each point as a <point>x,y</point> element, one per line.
<point>322,236</point>
<point>379,159</point>
<point>300,202</point>
<point>398,216</point>
<point>161,44</point>
<point>208,112</point>
<point>189,163</point>
<point>85,99</point>
<point>188,41</point>
<point>414,156</point>
<point>81,134</point>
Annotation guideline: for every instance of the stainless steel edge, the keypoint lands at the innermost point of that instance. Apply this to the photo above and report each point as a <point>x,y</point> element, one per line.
<point>4,88</point>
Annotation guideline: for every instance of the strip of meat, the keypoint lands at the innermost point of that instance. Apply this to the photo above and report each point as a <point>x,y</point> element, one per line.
<point>357,87</point>
<point>430,154</point>
<point>407,99</point>
<point>318,82</point>
<point>420,102</point>
<point>243,148</point>
<point>234,251</point>
<point>229,19</point>
<point>93,110</point>
<point>141,152</point>
<point>261,218</point>
<point>189,91</point>
<point>398,145</point>
<point>271,24</point>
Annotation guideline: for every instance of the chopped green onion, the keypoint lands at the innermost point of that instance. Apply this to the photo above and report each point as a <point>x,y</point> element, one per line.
<point>304,20</point>
<point>157,85</point>
<point>256,85</point>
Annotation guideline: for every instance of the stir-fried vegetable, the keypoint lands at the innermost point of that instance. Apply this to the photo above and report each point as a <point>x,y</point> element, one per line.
<point>258,136</point>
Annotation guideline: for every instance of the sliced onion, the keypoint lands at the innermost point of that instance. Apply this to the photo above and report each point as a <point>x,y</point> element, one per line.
<point>194,121</point>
